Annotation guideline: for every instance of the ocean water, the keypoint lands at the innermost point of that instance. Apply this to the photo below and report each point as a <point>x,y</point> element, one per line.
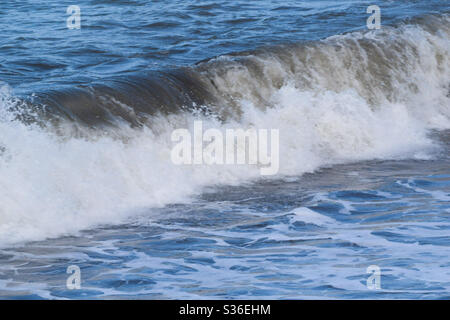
<point>86,177</point>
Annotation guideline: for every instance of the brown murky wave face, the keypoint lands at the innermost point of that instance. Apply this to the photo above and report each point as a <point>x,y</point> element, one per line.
<point>395,65</point>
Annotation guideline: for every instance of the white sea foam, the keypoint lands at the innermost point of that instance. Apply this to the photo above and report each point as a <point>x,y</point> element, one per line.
<point>306,215</point>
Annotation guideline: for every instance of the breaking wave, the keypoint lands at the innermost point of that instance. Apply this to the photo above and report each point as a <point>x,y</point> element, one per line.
<point>75,158</point>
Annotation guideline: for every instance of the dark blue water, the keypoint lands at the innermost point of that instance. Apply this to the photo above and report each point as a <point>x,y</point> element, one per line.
<point>364,119</point>
<point>37,49</point>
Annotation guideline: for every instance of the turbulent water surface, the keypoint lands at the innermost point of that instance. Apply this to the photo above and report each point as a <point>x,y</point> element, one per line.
<point>86,177</point>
